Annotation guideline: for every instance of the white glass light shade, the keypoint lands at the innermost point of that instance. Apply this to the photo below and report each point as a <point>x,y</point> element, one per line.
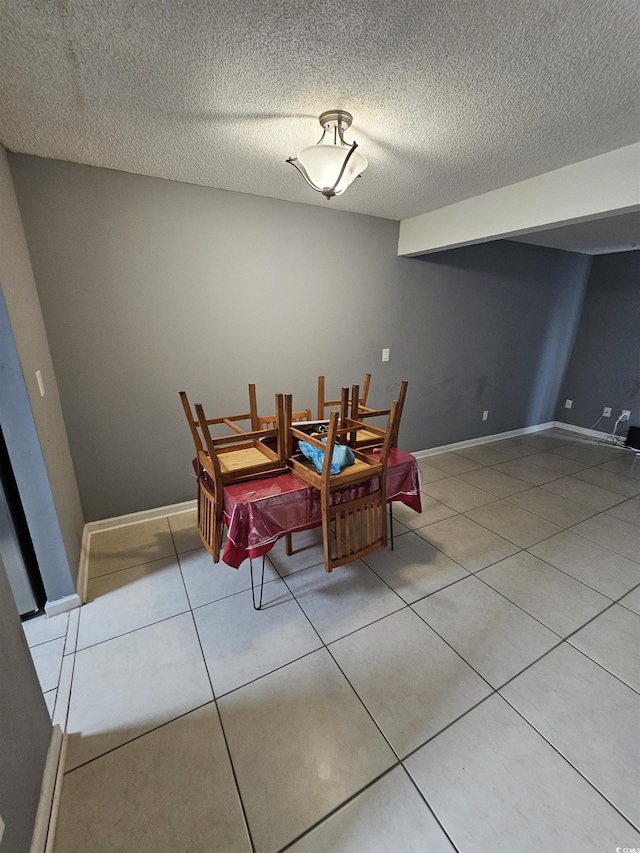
<point>323,163</point>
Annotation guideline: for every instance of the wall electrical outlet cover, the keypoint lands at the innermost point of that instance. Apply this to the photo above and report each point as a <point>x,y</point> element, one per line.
<point>485,415</point>
<point>568,404</point>
<point>626,414</point>
<point>607,412</point>
<point>385,354</point>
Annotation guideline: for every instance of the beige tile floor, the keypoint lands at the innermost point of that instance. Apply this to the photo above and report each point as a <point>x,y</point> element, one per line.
<point>475,689</point>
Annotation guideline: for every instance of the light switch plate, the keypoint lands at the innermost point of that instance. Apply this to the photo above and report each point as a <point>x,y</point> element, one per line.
<point>40,382</point>
<point>385,354</point>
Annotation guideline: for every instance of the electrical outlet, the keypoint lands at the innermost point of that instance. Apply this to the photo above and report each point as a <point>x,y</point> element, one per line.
<point>485,414</point>
<point>607,412</point>
<point>568,404</point>
<point>385,354</point>
<point>626,414</point>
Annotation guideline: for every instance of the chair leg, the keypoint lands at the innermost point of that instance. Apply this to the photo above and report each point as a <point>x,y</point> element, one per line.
<point>217,541</point>
<point>391,523</point>
<point>253,590</point>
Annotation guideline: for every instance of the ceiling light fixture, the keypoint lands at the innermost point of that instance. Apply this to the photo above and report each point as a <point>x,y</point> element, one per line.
<point>331,165</point>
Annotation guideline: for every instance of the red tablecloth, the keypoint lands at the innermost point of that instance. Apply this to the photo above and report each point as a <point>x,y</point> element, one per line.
<point>260,512</point>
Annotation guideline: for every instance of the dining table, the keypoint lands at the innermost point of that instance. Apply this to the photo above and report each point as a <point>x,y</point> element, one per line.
<point>259,512</point>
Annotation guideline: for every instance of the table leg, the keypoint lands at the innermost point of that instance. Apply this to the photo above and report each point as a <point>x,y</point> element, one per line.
<point>253,593</point>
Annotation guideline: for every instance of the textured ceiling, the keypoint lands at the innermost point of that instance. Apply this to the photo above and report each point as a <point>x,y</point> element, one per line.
<point>450,99</point>
<point>595,237</point>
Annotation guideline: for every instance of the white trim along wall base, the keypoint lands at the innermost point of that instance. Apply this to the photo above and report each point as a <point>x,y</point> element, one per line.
<point>61,605</point>
<point>44,828</point>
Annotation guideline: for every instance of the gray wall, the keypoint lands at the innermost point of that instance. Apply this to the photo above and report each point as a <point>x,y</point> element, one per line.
<point>34,426</point>
<point>604,369</point>
<point>25,729</point>
<point>149,287</point>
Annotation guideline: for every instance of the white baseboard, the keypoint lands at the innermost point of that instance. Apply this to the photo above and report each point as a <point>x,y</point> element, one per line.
<point>61,605</point>
<point>57,794</point>
<point>83,567</point>
<point>137,517</point>
<point>593,433</point>
<point>483,439</point>
<point>44,828</point>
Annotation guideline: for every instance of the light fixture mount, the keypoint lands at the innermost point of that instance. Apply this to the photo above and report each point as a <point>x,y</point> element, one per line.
<point>332,164</point>
<point>336,118</point>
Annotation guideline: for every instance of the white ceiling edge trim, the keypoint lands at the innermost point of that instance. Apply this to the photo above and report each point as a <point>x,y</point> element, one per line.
<point>601,186</point>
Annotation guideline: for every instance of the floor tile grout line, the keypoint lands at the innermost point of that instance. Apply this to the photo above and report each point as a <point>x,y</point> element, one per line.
<point>494,690</point>
<point>154,728</point>
<point>444,640</point>
<point>581,503</point>
<point>565,572</point>
<point>544,539</point>
<point>526,612</point>
<point>59,667</point>
<point>445,586</point>
<point>326,647</point>
<point>560,637</point>
<point>64,723</point>
<point>533,512</point>
<point>337,808</point>
<point>500,535</point>
<point>603,667</point>
<point>574,648</point>
<point>593,541</point>
<point>429,806</point>
<point>624,595</point>
<point>561,640</point>
<point>195,607</point>
<point>451,723</point>
<point>361,700</point>
<point>92,578</point>
<point>575,631</point>
<point>564,758</point>
<point>352,797</point>
<point>265,674</point>
<point>403,605</point>
<point>542,485</point>
<point>50,640</point>
<point>511,542</point>
<point>224,734</point>
<point>133,630</point>
<point>433,545</point>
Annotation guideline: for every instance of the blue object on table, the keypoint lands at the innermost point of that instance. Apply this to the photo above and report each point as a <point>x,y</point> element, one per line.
<point>342,456</point>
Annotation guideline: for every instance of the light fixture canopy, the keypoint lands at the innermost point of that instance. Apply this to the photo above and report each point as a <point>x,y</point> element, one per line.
<point>331,165</point>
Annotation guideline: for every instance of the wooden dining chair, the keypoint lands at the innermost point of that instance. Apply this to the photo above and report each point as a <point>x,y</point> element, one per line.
<point>324,404</point>
<point>373,435</point>
<point>355,525</point>
<point>227,459</point>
